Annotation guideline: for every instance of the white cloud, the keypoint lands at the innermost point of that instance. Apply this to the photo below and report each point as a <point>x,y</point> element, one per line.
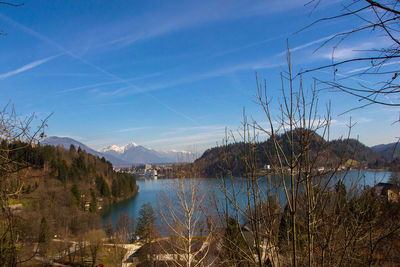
<point>251,65</point>
<point>94,66</point>
<point>237,49</point>
<point>189,15</point>
<point>373,67</point>
<point>132,129</point>
<point>342,54</point>
<point>300,47</point>
<point>339,123</point>
<point>112,92</point>
<point>335,122</point>
<point>179,141</point>
<point>356,49</point>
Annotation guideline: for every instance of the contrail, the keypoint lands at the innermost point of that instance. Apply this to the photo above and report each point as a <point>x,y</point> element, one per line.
<point>86,62</point>
<point>26,67</point>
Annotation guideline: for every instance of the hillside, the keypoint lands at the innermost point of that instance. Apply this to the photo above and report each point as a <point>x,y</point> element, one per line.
<point>68,188</point>
<point>389,151</point>
<point>218,160</point>
<point>66,142</point>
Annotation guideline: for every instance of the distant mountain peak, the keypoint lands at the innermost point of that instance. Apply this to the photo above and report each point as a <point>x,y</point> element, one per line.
<point>138,154</point>
<point>131,144</point>
<point>119,149</point>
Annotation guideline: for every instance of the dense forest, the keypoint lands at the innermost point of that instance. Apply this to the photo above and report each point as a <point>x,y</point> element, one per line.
<point>54,192</point>
<point>345,152</point>
<point>84,174</point>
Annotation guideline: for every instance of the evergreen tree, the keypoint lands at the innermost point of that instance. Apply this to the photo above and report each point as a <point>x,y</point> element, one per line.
<point>235,245</point>
<point>109,228</point>
<point>43,231</point>
<point>44,236</point>
<point>102,187</point>
<point>93,202</point>
<point>76,195</point>
<point>146,231</point>
<point>72,148</point>
<point>145,224</point>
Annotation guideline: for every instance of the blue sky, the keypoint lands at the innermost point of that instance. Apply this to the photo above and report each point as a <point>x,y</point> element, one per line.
<point>170,74</point>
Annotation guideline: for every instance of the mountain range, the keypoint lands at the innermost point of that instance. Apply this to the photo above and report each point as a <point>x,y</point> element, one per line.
<point>391,150</point>
<point>137,154</point>
<point>127,155</point>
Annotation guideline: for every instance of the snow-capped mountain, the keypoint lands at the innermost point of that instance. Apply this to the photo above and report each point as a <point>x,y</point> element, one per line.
<point>137,154</point>
<point>129,154</point>
<point>66,142</point>
<point>119,149</point>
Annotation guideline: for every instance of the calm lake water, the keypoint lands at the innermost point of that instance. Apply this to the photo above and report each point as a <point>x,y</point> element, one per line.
<point>150,190</point>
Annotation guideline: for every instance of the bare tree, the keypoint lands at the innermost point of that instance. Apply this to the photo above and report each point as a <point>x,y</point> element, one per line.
<point>95,240</point>
<point>304,210</point>
<point>125,228</point>
<point>379,63</point>
<point>182,211</point>
<point>14,130</point>
<point>13,4</point>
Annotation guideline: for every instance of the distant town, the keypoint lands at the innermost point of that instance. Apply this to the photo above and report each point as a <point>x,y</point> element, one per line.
<point>148,171</point>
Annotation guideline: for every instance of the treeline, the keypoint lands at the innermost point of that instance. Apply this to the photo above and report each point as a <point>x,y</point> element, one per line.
<point>350,229</point>
<point>74,168</point>
<point>51,192</point>
<point>350,153</point>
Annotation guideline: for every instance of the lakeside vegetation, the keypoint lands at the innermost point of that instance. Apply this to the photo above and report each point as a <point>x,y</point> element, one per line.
<point>87,177</point>
<point>53,193</point>
<point>348,153</point>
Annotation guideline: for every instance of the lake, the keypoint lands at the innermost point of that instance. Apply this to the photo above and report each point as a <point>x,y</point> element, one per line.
<point>150,190</point>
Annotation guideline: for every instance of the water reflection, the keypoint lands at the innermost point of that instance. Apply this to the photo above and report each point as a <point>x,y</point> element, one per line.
<point>149,190</point>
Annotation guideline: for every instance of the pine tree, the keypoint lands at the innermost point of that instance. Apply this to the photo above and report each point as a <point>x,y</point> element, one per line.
<point>145,225</point>
<point>43,231</point>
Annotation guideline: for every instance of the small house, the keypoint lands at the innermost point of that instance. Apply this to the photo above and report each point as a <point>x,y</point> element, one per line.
<point>387,190</point>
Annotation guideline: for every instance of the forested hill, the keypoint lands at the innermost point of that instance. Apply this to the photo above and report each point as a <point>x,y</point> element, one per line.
<point>391,150</point>
<point>63,189</point>
<point>216,161</point>
<point>72,168</point>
